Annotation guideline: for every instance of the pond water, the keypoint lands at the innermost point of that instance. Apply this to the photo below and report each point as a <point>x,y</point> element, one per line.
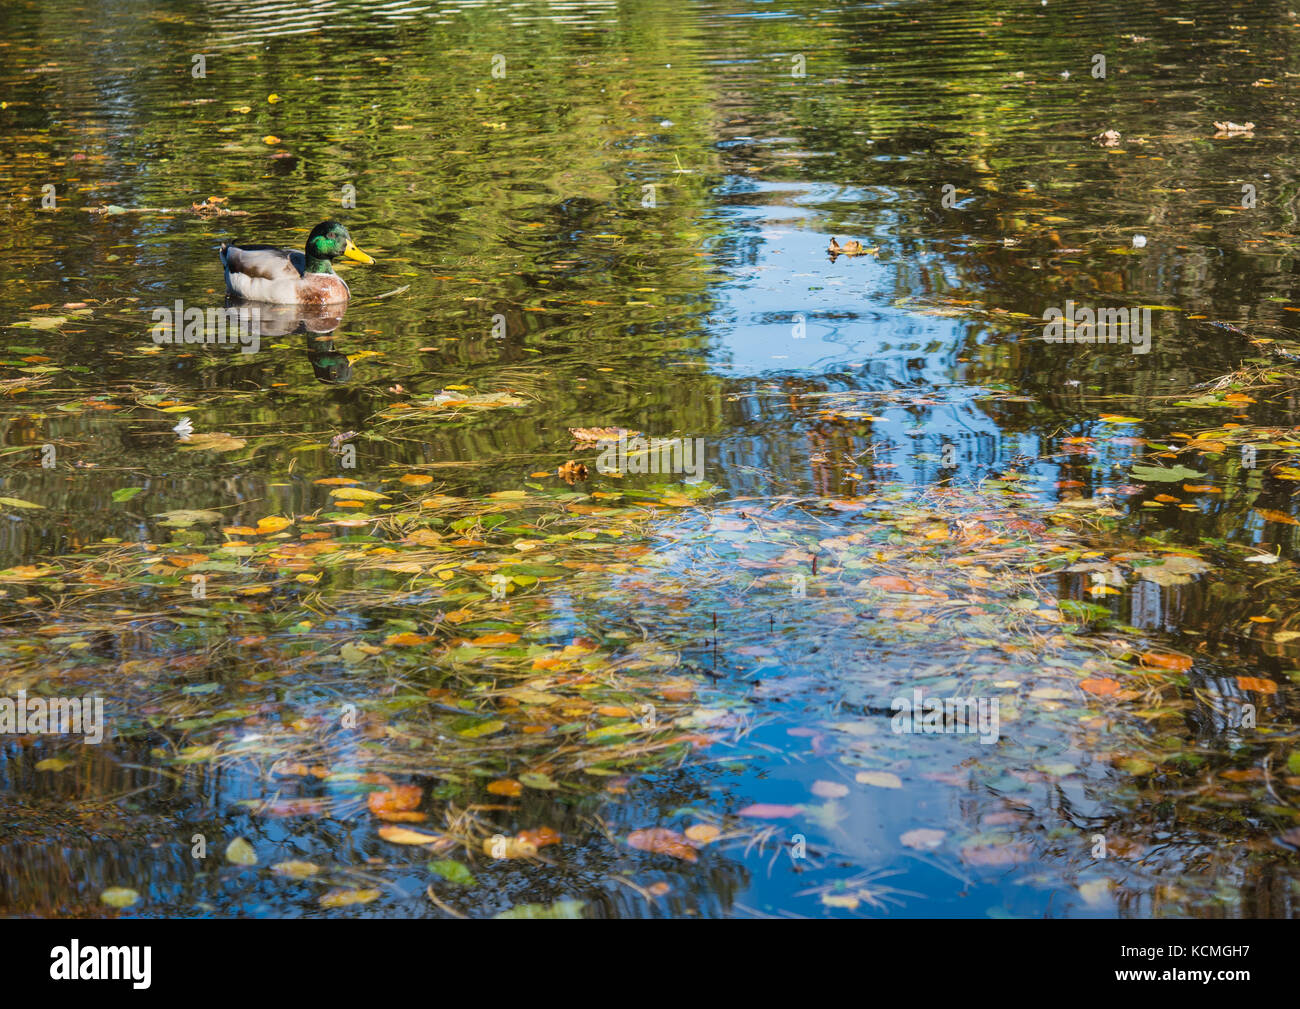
<point>368,644</point>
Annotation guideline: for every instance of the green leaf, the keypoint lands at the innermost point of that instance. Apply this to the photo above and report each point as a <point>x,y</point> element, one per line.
<point>453,871</point>
<point>17,502</point>
<point>1165,474</point>
<point>483,729</point>
<point>126,493</point>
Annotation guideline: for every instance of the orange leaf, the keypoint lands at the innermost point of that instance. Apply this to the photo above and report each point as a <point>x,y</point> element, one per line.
<point>891,583</point>
<point>496,638</point>
<point>1163,660</point>
<point>538,838</point>
<point>407,638</point>
<point>398,798</point>
<point>505,786</point>
<point>1257,684</point>
<point>1102,686</point>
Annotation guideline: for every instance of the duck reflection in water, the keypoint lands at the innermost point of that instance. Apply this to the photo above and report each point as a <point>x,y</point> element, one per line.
<point>316,322</point>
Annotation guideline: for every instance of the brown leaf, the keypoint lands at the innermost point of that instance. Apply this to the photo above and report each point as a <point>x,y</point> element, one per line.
<point>595,434</point>
<point>996,854</point>
<point>663,841</point>
<point>572,472</point>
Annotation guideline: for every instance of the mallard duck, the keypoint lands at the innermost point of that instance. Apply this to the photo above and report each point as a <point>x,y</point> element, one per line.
<point>287,277</point>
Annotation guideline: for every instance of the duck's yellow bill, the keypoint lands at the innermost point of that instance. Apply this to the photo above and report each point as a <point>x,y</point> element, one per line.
<point>350,251</point>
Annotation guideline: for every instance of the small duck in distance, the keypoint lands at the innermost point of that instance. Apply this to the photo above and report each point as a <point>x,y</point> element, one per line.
<point>288,277</point>
<point>850,248</point>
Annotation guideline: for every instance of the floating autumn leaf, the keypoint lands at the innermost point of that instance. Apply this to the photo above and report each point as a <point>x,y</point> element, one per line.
<point>272,524</point>
<point>1165,660</point>
<point>923,838</point>
<point>345,898</point>
<point>358,494</point>
<point>572,472</point>
<point>770,811</point>
<point>119,896</point>
<point>1102,686</point>
<point>880,779</point>
<point>216,441</point>
<point>1176,569</point>
<point>23,572</point>
<point>181,517</point>
<point>416,479</point>
<point>662,841</point>
<point>1165,474</point>
<point>452,871</point>
<point>524,845</point>
<point>538,838</point>
<point>397,799</point>
<point>16,502</point>
<point>996,854</point>
<point>487,728</point>
<point>598,434</point>
<point>560,909</point>
<point>703,833</point>
<point>1257,684</point>
<point>830,789</point>
<point>1096,892</point>
<point>496,638</point>
<point>1277,516</point>
<point>891,583</point>
<point>506,786</point>
<point>406,639</point>
<point>240,852</point>
<point>295,870</point>
<point>405,835</point>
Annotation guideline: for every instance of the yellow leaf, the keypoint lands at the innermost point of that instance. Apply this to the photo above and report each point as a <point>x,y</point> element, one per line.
<point>342,898</point>
<point>881,779</point>
<point>405,835</point>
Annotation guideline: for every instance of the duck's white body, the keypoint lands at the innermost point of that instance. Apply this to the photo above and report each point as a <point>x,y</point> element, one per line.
<point>279,276</point>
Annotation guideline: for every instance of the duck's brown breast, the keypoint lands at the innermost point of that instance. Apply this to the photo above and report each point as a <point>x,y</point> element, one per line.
<point>322,289</point>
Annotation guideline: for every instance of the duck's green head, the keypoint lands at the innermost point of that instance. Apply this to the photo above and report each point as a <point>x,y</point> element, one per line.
<point>327,242</point>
